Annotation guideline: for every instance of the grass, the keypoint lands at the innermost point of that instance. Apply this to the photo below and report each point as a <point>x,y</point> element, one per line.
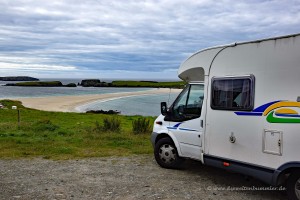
<point>40,83</point>
<point>58,135</point>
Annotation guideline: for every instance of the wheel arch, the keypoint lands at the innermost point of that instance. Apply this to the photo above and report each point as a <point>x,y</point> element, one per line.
<point>282,173</point>
<point>172,137</point>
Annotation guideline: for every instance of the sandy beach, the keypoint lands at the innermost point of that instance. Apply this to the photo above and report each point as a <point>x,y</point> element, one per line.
<point>69,103</point>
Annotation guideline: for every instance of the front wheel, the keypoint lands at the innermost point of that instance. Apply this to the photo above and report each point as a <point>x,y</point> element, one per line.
<point>293,186</point>
<point>166,154</point>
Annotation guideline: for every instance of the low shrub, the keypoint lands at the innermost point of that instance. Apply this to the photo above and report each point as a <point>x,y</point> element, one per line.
<point>141,125</point>
<point>111,124</point>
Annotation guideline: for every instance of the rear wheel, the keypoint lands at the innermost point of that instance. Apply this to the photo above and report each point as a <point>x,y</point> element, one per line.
<point>166,154</point>
<point>293,186</point>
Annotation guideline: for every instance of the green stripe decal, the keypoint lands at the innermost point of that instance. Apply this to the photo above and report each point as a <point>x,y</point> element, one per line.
<point>272,119</point>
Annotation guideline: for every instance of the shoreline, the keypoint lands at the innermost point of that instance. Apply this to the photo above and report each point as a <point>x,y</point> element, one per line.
<point>70,103</point>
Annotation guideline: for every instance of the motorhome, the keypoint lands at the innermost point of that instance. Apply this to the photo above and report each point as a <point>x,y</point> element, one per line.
<point>239,111</point>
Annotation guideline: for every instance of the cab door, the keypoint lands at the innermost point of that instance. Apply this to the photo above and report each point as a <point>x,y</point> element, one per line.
<point>184,120</point>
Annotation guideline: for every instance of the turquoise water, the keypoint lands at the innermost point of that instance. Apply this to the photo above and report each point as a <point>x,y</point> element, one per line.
<point>145,105</point>
<point>14,92</point>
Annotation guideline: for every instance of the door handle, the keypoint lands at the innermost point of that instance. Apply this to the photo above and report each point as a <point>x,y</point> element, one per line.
<point>232,138</point>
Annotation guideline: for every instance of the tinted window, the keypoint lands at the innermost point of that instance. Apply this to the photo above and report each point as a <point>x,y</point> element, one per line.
<point>233,93</point>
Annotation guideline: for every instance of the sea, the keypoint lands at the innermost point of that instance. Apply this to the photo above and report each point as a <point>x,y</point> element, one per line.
<point>144,105</point>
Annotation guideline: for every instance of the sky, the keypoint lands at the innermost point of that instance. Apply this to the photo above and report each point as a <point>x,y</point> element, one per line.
<point>133,39</point>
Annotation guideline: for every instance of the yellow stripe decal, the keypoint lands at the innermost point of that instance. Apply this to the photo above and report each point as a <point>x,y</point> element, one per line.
<point>281,104</point>
<point>286,111</point>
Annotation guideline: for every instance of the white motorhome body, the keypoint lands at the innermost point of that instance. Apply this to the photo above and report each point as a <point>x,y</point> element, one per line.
<point>246,115</point>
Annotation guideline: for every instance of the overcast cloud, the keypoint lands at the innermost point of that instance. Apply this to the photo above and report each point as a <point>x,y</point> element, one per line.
<point>128,39</point>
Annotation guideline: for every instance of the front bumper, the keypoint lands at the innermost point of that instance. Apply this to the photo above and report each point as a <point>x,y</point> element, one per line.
<point>153,138</point>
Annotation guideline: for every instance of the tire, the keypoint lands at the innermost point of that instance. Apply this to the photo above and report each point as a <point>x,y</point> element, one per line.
<point>293,186</point>
<point>166,154</point>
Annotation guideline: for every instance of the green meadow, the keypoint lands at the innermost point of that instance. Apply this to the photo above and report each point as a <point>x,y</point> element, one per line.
<point>58,135</point>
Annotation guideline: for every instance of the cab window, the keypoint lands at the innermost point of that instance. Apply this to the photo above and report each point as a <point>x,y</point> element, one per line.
<point>188,104</point>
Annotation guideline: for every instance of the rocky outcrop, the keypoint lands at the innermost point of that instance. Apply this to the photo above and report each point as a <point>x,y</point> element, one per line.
<point>71,85</point>
<point>103,112</point>
<point>90,83</point>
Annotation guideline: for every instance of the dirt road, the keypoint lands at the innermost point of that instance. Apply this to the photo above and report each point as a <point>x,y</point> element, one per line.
<point>136,177</point>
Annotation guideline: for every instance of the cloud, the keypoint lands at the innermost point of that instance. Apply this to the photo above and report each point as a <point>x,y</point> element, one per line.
<point>35,67</point>
<point>148,36</point>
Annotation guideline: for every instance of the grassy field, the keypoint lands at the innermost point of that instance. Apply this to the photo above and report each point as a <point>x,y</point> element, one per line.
<point>57,135</point>
<point>39,84</point>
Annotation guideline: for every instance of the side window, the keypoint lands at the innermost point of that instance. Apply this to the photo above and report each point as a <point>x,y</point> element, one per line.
<point>189,103</point>
<point>181,101</point>
<point>195,100</point>
<point>236,93</point>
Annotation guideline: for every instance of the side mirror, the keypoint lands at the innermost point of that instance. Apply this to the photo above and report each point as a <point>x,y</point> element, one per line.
<point>163,108</point>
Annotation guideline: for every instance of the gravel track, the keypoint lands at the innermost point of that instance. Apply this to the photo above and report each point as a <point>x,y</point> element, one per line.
<point>135,177</point>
